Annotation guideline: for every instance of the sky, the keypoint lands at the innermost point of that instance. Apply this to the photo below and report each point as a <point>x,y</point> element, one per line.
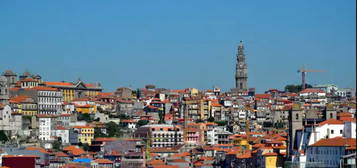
<point>180,44</point>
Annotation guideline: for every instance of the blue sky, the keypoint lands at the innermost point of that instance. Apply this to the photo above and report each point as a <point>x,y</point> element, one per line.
<point>180,43</point>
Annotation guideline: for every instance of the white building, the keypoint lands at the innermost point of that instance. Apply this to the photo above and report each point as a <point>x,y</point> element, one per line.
<point>330,128</point>
<point>62,133</point>
<point>216,134</point>
<point>315,97</point>
<point>162,135</point>
<point>328,152</point>
<point>45,126</point>
<point>10,121</point>
<point>49,100</point>
<point>328,88</point>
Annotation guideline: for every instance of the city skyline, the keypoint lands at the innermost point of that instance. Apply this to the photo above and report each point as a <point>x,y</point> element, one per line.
<point>155,43</point>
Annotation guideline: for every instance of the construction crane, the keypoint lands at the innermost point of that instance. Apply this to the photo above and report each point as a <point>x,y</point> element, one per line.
<point>303,72</point>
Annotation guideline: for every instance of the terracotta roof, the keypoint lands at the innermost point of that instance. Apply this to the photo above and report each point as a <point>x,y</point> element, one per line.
<point>310,90</point>
<point>19,99</point>
<point>166,166</point>
<point>128,121</point>
<point>43,88</point>
<point>263,96</point>
<point>331,122</point>
<point>61,154</point>
<point>35,148</point>
<point>183,154</point>
<point>59,83</point>
<point>337,141</point>
<point>344,114</point>
<point>179,161</point>
<point>74,150</point>
<point>103,161</point>
<point>246,155</point>
<point>270,154</point>
<point>156,162</point>
<point>82,126</point>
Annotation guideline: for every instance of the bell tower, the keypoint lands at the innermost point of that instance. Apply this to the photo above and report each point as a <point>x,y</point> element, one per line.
<point>241,69</point>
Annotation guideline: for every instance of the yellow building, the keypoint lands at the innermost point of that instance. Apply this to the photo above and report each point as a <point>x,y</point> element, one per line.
<point>271,160</point>
<point>241,141</point>
<point>23,105</point>
<point>75,90</point>
<point>85,134</point>
<point>86,109</point>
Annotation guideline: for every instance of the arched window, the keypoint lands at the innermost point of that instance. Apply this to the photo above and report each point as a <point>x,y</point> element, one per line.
<point>331,115</point>
<point>297,116</point>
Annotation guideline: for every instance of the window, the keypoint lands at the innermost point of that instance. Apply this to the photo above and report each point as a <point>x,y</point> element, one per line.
<point>332,131</point>
<point>341,131</point>
<point>331,115</point>
<point>297,116</point>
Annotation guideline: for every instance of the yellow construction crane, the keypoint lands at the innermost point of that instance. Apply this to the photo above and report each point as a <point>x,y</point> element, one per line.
<point>303,72</point>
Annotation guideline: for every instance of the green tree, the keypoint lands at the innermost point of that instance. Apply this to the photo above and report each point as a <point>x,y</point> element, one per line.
<point>124,117</point>
<point>85,117</point>
<point>199,121</point>
<point>98,133</point>
<point>3,136</point>
<point>210,119</point>
<point>221,123</point>
<point>295,88</point>
<point>141,123</point>
<point>57,145</point>
<point>85,147</point>
<point>113,129</point>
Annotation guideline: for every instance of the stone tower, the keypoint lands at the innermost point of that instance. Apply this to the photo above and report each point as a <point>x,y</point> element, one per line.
<point>241,69</point>
<point>4,91</point>
<point>296,116</point>
<point>11,78</point>
<point>330,112</point>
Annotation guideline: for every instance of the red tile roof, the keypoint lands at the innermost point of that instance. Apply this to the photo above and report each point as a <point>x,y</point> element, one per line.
<point>310,90</point>
<point>270,154</point>
<point>331,122</point>
<point>59,83</point>
<point>337,141</point>
<point>103,161</point>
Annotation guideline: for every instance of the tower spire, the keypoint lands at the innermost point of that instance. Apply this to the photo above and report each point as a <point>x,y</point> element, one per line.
<point>241,69</point>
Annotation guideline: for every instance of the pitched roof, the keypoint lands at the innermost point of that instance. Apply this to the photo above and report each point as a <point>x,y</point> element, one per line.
<point>59,83</point>
<point>337,141</point>
<point>310,90</point>
<point>103,161</point>
<point>331,122</point>
<point>74,150</point>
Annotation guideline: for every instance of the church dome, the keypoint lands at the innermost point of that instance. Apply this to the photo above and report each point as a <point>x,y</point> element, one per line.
<point>26,73</point>
<point>9,73</point>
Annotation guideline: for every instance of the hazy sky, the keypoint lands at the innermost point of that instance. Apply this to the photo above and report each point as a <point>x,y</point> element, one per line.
<point>180,43</point>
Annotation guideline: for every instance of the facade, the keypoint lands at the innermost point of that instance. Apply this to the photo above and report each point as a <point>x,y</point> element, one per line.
<point>241,69</point>
<point>327,129</point>
<point>161,135</point>
<point>328,152</point>
<point>49,100</point>
<point>85,134</point>
<point>11,78</point>
<point>45,126</point>
<point>4,90</point>
<point>76,90</point>
<point>9,121</point>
